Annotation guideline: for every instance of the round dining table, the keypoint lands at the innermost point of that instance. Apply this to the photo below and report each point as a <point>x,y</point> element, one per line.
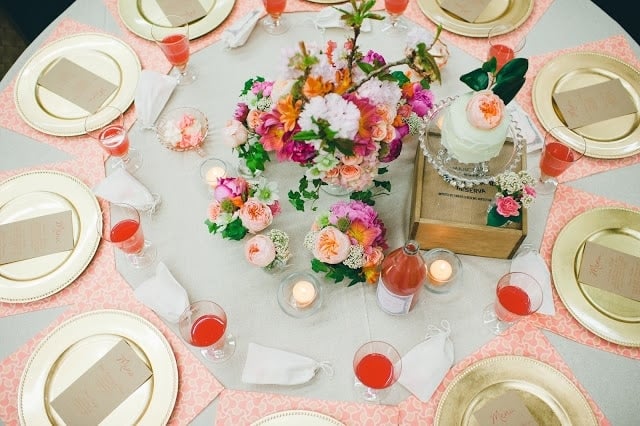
<point>213,268</point>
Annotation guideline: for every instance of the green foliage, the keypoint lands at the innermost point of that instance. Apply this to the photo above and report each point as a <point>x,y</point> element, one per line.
<point>234,230</point>
<point>361,11</point>
<point>339,272</point>
<point>303,194</point>
<point>507,81</point>
<point>255,156</point>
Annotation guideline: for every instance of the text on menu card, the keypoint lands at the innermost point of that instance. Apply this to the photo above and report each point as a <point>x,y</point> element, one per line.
<point>35,237</point>
<point>104,386</point>
<point>508,409</point>
<point>78,85</point>
<point>610,270</point>
<point>183,11</point>
<point>469,10</point>
<point>594,103</point>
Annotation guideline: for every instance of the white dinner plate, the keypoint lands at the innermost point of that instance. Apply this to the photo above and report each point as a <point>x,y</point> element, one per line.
<point>38,193</point>
<point>297,418</point>
<point>78,343</point>
<point>139,15</point>
<point>103,55</point>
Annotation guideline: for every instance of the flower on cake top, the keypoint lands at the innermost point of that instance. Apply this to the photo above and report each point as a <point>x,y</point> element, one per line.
<point>515,192</point>
<point>485,110</point>
<point>268,251</point>
<point>347,242</point>
<point>239,206</point>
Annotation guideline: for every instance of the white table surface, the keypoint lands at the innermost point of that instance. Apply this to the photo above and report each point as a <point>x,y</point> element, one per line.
<point>215,268</point>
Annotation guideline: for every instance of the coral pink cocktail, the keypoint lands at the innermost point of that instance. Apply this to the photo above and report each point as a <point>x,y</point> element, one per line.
<point>377,366</point>
<point>176,48</point>
<point>274,23</point>
<point>275,7</point>
<point>204,325</point>
<point>504,44</point>
<point>173,40</point>
<point>121,227</point>
<point>114,140</point>
<point>557,156</point>
<point>395,9</point>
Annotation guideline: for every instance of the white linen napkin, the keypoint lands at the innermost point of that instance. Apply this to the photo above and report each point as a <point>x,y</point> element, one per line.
<point>121,187</point>
<point>329,17</point>
<point>529,131</point>
<point>270,366</point>
<point>238,33</point>
<point>426,364</point>
<point>152,93</point>
<point>529,261</point>
<point>163,294</point>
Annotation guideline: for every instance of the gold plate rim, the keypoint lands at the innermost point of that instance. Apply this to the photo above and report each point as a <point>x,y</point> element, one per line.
<point>542,92</point>
<point>137,24</point>
<point>66,186</point>
<point>515,18</point>
<point>563,258</point>
<point>499,367</point>
<point>296,417</point>
<point>125,324</point>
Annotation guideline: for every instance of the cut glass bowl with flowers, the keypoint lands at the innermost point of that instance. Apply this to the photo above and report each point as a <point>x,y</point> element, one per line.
<point>338,112</point>
<point>182,129</point>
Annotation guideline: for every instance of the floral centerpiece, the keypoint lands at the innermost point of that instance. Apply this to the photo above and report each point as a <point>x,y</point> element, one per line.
<point>347,242</point>
<point>270,251</point>
<point>337,112</point>
<point>515,192</point>
<point>240,207</point>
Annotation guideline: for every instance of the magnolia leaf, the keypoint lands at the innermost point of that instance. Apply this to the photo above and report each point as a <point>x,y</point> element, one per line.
<point>514,68</point>
<point>400,77</point>
<point>476,79</point>
<point>490,66</point>
<point>508,89</point>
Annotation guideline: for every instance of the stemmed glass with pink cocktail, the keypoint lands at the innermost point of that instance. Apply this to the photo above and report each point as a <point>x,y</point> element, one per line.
<point>377,366</point>
<point>173,40</point>
<point>274,23</point>
<point>557,156</point>
<point>504,44</point>
<point>107,126</point>
<point>204,325</point>
<point>517,295</point>
<point>395,9</point>
<point>121,226</point>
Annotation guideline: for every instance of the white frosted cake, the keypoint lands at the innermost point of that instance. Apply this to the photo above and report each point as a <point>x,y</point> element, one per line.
<point>475,127</point>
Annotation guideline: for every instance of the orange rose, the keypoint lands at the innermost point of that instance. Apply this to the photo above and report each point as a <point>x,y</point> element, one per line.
<point>379,131</point>
<point>255,216</point>
<point>331,246</point>
<point>254,119</point>
<point>350,173</point>
<point>351,160</point>
<point>332,173</point>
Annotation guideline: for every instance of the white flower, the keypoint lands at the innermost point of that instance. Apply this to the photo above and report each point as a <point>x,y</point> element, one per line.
<point>380,92</point>
<point>325,162</point>
<point>266,191</point>
<point>343,116</point>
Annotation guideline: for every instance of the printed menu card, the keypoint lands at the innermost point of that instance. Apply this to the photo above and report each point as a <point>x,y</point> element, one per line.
<point>507,409</point>
<point>610,270</point>
<point>104,386</point>
<point>183,11</point>
<point>469,10</point>
<point>595,103</point>
<point>38,236</point>
<point>78,85</point>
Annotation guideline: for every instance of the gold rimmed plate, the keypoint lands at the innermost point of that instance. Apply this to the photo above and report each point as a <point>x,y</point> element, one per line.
<point>614,318</point>
<point>78,343</point>
<point>614,138</point>
<point>550,397</point>
<point>38,193</point>
<point>139,15</point>
<point>512,13</point>
<point>297,417</point>
<point>104,55</point>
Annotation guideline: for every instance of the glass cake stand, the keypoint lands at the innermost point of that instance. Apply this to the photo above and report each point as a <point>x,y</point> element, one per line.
<point>466,175</point>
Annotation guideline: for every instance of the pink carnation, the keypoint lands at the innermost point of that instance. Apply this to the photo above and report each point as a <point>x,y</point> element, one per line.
<point>507,206</point>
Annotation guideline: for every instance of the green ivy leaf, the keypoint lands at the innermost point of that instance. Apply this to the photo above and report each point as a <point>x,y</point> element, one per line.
<point>476,79</point>
<point>234,230</point>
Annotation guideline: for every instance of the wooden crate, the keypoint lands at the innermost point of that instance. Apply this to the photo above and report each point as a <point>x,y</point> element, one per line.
<point>452,218</point>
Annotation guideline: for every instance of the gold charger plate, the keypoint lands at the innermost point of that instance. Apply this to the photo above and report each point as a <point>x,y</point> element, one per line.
<point>509,12</point>
<point>614,138</point>
<point>104,55</point>
<point>297,418</point>
<point>139,15</point>
<point>38,193</point>
<point>608,315</point>
<point>548,394</point>
<point>78,343</point>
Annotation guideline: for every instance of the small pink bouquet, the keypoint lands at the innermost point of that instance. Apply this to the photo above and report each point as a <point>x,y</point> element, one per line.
<point>240,207</point>
<point>348,242</point>
<point>270,251</point>
<point>515,192</point>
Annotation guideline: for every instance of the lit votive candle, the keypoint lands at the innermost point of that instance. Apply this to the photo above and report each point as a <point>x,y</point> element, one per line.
<point>303,293</point>
<point>440,271</point>
<point>213,174</point>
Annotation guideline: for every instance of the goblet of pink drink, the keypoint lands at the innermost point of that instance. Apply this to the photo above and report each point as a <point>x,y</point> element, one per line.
<point>174,43</point>
<point>122,228</point>
<point>557,156</point>
<point>107,126</point>
<point>504,45</point>
<point>395,9</point>
<point>204,325</point>
<point>517,296</point>
<point>274,23</point>
<point>377,366</point>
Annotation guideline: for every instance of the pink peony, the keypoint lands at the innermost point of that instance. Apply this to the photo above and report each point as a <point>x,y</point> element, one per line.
<point>331,246</point>
<point>234,134</point>
<point>255,216</point>
<point>485,110</point>
<point>260,251</point>
<point>507,206</point>
<point>230,187</point>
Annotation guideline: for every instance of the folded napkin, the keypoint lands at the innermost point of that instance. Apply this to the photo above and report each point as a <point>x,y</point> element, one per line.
<point>238,33</point>
<point>270,366</point>
<point>163,294</point>
<point>530,261</point>
<point>329,17</point>
<point>426,364</point>
<point>152,93</point>
<point>529,131</point>
<point>122,187</point>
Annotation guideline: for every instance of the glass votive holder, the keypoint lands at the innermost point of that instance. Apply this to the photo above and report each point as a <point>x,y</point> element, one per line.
<point>300,294</point>
<point>212,169</point>
<point>444,269</point>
